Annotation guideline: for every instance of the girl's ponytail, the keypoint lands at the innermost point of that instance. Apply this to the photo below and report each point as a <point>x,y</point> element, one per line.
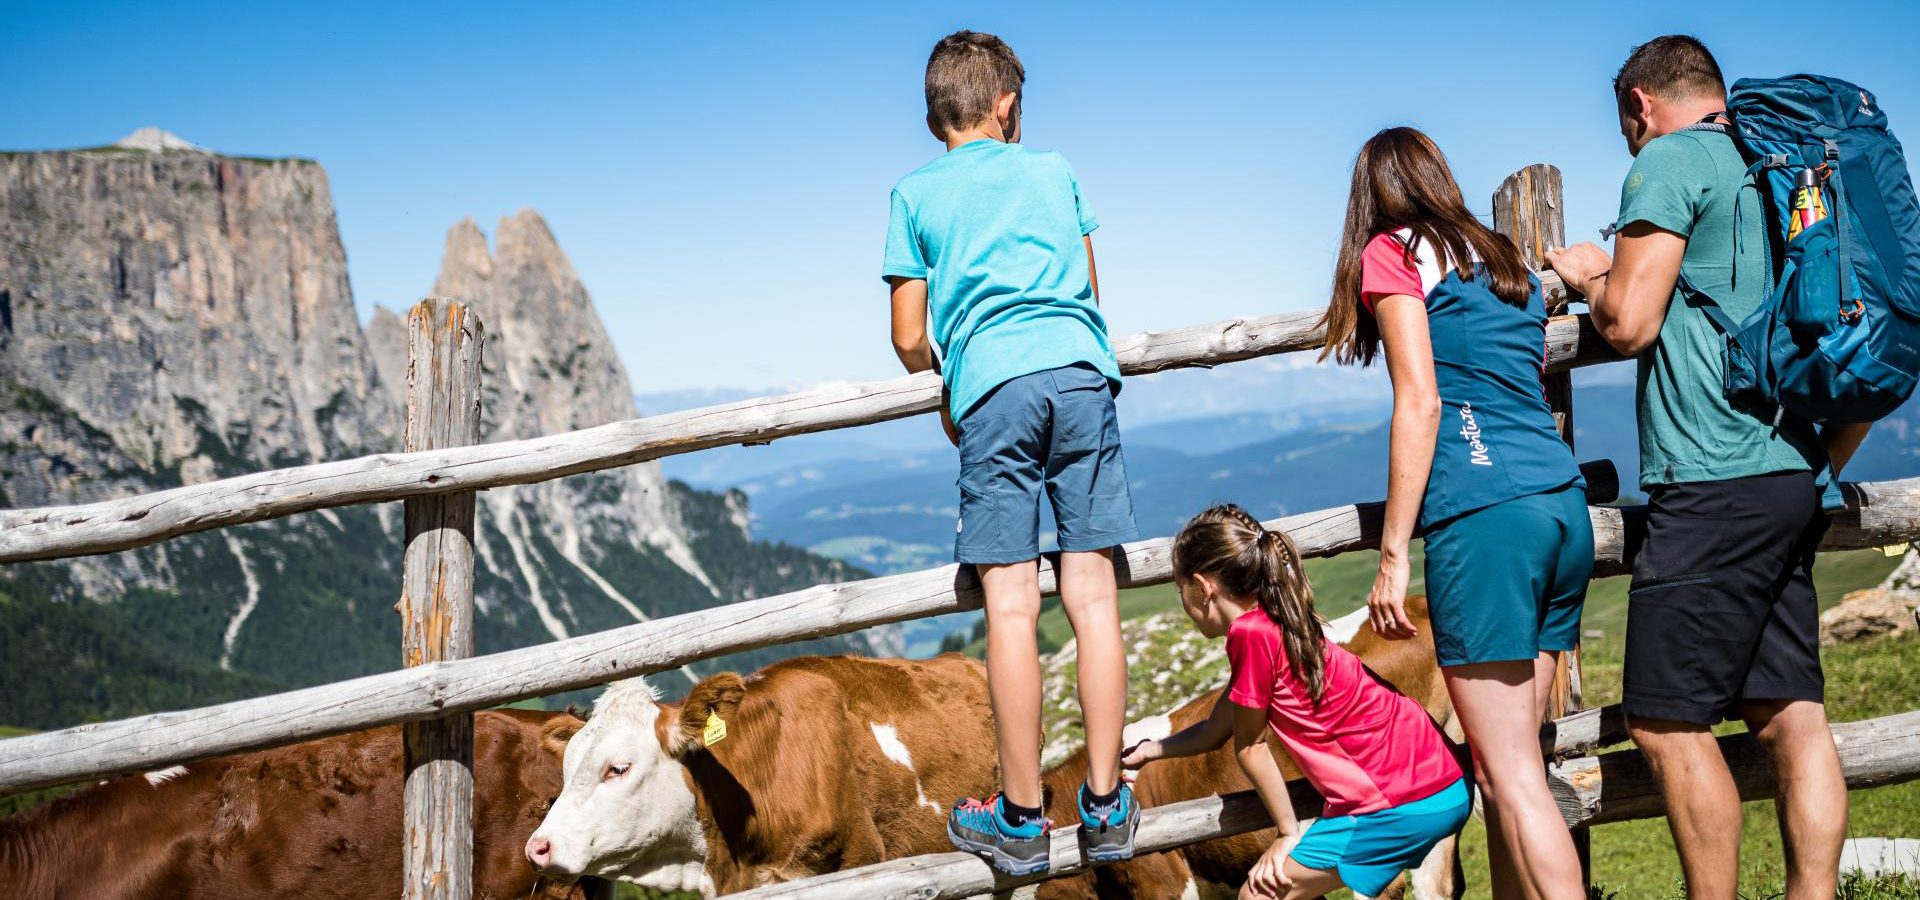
<point>1230,545</point>
<point>1286,597</point>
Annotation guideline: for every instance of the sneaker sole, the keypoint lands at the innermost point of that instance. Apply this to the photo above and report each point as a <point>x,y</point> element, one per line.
<point>996,857</point>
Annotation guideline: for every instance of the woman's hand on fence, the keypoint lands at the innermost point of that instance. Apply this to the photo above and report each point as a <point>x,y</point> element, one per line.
<point>1141,753</point>
<point>1387,604</point>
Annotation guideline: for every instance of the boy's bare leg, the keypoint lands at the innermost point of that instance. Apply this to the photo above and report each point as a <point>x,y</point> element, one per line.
<point>1013,674</point>
<point>1703,806</point>
<point>1813,791</point>
<point>1091,599</point>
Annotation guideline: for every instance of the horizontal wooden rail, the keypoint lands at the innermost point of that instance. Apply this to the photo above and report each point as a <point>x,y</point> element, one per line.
<point>1618,786</point>
<point>1612,788</point>
<point>60,531</point>
<point>1880,514</point>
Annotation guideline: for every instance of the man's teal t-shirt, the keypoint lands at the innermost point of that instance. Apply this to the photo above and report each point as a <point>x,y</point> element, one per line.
<point>1690,183</point>
<point>996,230</point>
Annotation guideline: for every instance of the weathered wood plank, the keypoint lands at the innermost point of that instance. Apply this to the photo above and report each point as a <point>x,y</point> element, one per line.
<point>1872,752</point>
<point>1582,732</point>
<point>444,345</point>
<point>1890,512</point>
<point>109,525</point>
<point>1615,787</point>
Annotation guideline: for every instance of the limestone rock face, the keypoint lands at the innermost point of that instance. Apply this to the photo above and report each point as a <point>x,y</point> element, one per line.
<point>1870,613</point>
<point>169,317</point>
<point>548,367</point>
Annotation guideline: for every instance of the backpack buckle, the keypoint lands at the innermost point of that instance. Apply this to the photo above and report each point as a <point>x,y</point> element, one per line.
<point>1776,161</point>
<point>1852,316</point>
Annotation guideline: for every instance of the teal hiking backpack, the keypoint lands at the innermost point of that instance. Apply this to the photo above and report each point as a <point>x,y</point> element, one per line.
<point>1838,337</point>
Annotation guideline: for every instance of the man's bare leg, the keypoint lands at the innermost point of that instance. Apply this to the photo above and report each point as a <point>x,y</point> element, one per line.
<point>1703,807</point>
<point>1812,805</point>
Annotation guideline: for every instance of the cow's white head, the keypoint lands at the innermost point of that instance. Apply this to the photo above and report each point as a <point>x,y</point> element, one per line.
<point>625,810</point>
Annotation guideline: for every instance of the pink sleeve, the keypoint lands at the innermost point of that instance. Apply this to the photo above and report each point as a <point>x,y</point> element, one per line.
<point>1252,652</point>
<point>1384,271</point>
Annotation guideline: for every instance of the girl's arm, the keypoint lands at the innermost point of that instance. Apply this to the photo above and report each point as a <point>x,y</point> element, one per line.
<point>1416,424</point>
<point>1269,874</point>
<point>1203,736</point>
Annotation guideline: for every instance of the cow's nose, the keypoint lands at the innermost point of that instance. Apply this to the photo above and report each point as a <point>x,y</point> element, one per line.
<point>539,852</point>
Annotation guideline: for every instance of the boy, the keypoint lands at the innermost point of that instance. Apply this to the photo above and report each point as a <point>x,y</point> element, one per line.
<point>991,240</point>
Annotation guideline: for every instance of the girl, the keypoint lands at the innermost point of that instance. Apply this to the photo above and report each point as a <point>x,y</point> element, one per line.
<point>1476,461</point>
<point>1392,785</point>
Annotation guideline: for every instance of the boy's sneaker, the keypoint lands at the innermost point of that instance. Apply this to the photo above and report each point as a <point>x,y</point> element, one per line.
<point>978,827</point>
<point>1106,833</point>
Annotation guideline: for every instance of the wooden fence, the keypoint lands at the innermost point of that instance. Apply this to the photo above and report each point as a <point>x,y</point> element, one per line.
<point>442,684</point>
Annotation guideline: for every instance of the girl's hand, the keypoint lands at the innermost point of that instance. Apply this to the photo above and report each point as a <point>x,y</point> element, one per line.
<point>1268,877</point>
<point>1141,753</point>
<point>1387,604</point>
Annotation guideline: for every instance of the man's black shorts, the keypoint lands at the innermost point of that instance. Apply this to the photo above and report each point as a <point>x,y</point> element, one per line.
<point>1723,607</point>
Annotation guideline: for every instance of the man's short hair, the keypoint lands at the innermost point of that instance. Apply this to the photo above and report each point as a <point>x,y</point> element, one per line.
<point>1672,67</point>
<point>966,74</point>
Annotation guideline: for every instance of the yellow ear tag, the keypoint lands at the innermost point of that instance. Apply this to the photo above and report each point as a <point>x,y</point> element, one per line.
<point>716,730</point>
<point>1894,549</point>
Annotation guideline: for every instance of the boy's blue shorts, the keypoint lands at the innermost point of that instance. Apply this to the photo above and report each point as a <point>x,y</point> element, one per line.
<point>1508,581</point>
<point>1369,850</point>
<point>1054,434</point>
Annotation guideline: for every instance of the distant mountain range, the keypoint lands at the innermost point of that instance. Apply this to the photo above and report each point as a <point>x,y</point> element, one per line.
<point>1275,436</point>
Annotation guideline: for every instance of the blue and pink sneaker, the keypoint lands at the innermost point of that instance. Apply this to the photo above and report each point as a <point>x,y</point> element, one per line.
<point>980,827</point>
<point>1106,833</point>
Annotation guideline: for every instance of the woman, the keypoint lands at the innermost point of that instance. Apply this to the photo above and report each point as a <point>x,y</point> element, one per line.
<point>1476,462</point>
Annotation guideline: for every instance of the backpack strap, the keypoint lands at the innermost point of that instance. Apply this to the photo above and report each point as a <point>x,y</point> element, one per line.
<point>1849,288</point>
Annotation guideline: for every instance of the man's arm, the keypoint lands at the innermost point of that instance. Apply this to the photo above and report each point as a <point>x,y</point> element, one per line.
<point>1841,440</point>
<point>1628,294</point>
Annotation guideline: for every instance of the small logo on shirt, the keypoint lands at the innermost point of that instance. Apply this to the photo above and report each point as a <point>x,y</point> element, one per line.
<point>1635,180</point>
<point>1470,429</point>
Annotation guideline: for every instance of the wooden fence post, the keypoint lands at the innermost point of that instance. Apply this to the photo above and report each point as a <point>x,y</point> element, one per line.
<point>444,341</point>
<point>1530,209</point>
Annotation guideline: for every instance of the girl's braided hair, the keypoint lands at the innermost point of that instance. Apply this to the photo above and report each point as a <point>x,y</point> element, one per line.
<point>1231,546</point>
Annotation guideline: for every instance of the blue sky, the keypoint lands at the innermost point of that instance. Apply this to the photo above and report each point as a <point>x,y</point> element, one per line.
<point>720,177</point>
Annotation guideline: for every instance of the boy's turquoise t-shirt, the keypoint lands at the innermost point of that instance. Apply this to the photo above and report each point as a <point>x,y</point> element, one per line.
<point>996,231</point>
<point>1690,183</point>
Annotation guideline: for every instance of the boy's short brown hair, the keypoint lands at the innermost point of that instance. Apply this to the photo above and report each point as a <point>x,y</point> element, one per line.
<point>1673,67</point>
<point>966,74</point>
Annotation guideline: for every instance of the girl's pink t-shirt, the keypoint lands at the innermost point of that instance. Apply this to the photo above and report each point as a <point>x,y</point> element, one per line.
<point>1364,746</point>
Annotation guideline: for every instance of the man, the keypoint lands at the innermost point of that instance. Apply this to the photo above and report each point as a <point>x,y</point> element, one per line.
<point>1722,619</point>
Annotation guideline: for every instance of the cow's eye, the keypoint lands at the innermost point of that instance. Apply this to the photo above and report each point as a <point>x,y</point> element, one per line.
<point>615,770</point>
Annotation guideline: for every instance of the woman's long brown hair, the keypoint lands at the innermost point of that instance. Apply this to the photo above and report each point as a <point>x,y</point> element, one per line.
<point>1230,546</point>
<point>1401,180</point>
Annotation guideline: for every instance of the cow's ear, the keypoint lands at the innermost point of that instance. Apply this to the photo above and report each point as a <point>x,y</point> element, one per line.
<point>716,697</point>
<point>557,731</point>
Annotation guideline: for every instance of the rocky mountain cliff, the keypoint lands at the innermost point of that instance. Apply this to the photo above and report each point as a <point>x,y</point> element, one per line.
<point>170,315</point>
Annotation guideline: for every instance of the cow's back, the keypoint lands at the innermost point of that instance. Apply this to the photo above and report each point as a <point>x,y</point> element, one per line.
<point>833,762</point>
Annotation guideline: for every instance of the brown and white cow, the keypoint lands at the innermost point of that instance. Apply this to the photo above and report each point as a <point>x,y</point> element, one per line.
<point>1218,867</point>
<point>811,765</point>
<point>316,820</point>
